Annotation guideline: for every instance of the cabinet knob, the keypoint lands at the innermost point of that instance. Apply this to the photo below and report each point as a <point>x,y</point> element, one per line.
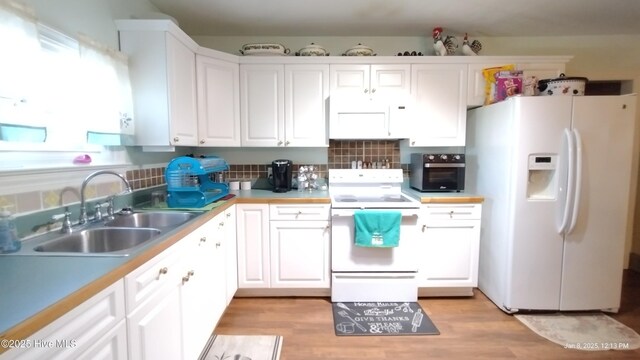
<point>203,239</point>
<point>176,139</point>
<point>202,141</point>
<point>228,215</point>
<point>279,143</point>
<point>218,244</point>
<point>413,143</point>
<point>286,143</point>
<point>424,227</point>
<point>366,91</point>
<point>221,224</point>
<point>451,214</point>
<point>373,90</point>
<point>163,271</point>
<point>189,275</point>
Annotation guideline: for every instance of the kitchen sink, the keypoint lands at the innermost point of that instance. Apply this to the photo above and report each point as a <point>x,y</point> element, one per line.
<point>159,219</point>
<point>99,240</point>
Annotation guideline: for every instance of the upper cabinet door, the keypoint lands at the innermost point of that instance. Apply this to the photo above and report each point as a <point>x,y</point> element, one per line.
<point>306,97</point>
<point>390,82</point>
<point>262,105</point>
<point>386,81</point>
<point>439,92</point>
<point>181,74</point>
<point>162,68</point>
<point>350,79</point>
<point>218,102</point>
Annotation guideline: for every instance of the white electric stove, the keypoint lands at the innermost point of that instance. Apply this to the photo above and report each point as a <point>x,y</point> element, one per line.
<point>363,273</point>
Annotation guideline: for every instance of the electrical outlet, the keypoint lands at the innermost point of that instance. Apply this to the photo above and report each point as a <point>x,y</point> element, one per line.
<point>269,173</point>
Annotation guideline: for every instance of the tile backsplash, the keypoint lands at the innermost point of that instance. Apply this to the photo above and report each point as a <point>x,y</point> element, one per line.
<point>340,155</point>
<point>343,152</point>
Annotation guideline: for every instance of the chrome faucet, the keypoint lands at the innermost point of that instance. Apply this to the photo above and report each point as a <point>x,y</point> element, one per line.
<point>83,206</point>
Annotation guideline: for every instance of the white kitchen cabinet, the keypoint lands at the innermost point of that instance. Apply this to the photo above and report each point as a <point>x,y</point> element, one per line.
<point>300,246</point>
<point>283,105</point>
<point>218,102</point>
<point>154,322</point>
<point>93,322</point>
<point>283,246</point>
<point>112,346</point>
<point>439,93</point>
<point>154,329</point>
<point>300,254</point>
<point>162,68</point>
<point>253,245</point>
<point>203,285</point>
<point>476,82</point>
<point>262,105</point>
<point>178,296</point>
<point>388,82</point>
<point>306,96</point>
<point>449,247</point>
<point>231,253</point>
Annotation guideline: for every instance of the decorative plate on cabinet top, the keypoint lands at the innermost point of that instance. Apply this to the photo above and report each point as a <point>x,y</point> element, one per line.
<point>265,49</point>
<point>359,50</point>
<point>312,50</point>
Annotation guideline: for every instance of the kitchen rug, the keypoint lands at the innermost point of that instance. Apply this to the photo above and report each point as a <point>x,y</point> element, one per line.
<point>582,331</point>
<point>381,318</point>
<point>242,347</point>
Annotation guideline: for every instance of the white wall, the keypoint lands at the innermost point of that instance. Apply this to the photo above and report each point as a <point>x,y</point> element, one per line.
<point>93,18</point>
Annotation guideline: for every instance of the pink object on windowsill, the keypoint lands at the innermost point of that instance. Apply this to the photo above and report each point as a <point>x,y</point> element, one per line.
<point>82,159</point>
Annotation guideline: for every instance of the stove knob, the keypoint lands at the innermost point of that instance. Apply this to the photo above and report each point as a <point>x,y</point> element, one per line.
<point>443,157</point>
<point>456,157</point>
<point>431,157</point>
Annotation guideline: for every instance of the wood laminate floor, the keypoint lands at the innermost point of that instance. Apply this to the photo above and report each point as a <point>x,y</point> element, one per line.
<point>471,328</point>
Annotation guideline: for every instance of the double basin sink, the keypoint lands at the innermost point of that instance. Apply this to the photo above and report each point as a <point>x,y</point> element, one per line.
<point>118,237</point>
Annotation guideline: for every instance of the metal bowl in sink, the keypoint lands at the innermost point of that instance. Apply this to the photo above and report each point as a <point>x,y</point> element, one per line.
<point>98,240</point>
<point>159,219</point>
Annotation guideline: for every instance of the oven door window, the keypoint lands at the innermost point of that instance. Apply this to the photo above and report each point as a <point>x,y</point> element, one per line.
<point>442,178</point>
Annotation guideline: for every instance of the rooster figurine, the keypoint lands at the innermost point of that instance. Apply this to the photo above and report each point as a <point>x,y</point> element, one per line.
<point>471,49</point>
<point>443,47</point>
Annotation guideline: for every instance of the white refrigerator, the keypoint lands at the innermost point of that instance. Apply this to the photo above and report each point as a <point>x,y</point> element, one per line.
<point>555,173</point>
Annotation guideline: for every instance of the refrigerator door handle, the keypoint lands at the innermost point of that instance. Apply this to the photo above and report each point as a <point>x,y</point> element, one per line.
<point>578,182</point>
<point>566,209</point>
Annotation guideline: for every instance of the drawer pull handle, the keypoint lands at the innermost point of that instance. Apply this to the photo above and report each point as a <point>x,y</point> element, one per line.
<point>218,244</point>
<point>189,275</point>
<point>203,239</point>
<point>424,227</point>
<point>163,271</point>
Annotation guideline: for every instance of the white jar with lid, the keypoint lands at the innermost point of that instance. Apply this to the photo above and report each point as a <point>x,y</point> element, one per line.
<point>9,241</point>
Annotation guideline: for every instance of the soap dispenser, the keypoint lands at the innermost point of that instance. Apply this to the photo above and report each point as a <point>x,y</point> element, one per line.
<point>9,241</point>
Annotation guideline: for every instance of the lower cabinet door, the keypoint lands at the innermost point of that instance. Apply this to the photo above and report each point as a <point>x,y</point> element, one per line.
<point>449,253</point>
<point>77,331</point>
<point>155,328</point>
<point>300,254</point>
<point>112,346</point>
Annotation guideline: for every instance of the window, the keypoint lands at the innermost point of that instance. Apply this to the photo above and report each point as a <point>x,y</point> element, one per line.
<point>58,93</point>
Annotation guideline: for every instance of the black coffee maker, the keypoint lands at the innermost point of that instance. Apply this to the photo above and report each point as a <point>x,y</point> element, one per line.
<point>282,172</point>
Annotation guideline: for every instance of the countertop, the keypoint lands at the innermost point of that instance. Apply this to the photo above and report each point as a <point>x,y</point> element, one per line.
<point>36,290</point>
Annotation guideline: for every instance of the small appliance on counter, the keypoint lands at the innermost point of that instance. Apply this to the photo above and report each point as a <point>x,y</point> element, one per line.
<point>437,172</point>
<point>192,182</point>
<point>282,172</point>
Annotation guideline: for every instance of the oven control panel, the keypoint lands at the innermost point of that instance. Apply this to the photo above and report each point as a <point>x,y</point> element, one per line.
<point>443,158</point>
